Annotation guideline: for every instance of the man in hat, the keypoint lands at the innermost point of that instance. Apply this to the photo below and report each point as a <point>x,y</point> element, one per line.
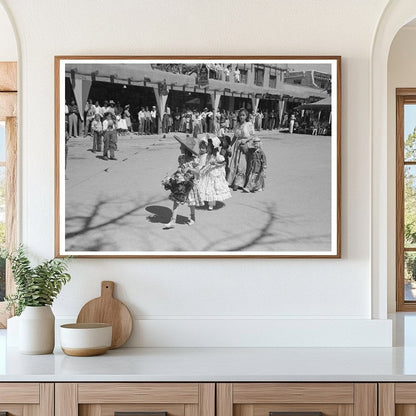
<point>153,120</point>
<point>73,114</point>
<point>148,119</point>
<point>141,116</point>
<point>111,108</point>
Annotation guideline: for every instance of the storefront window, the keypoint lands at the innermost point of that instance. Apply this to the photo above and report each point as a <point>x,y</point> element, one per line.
<point>259,76</point>
<point>243,76</point>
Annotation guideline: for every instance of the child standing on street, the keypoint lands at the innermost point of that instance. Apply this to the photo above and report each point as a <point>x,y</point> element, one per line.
<point>110,137</point>
<point>203,144</point>
<point>226,152</point>
<point>256,169</point>
<point>182,183</point>
<point>97,131</point>
<point>213,186</point>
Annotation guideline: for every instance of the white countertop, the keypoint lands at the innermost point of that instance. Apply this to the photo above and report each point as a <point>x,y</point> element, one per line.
<point>222,364</point>
<point>215,364</point>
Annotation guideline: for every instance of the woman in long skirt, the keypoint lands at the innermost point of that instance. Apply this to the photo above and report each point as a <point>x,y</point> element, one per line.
<point>243,133</point>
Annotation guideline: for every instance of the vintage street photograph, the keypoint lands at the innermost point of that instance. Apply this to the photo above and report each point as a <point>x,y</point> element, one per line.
<point>213,157</point>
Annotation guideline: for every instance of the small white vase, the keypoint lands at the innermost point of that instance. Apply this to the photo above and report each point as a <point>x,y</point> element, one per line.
<point>37,330</point>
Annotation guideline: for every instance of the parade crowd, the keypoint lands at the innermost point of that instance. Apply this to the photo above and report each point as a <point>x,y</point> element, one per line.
<point>209,167</point>
<point>205,121</point>
<point>105,122</point>
<point>186,120</point>
<point>212,163</point>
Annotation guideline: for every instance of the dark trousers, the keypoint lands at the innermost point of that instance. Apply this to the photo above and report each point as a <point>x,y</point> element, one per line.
<point>176,123</point>
<point>96,141</point>
<point>110,140</point>
<point>147,124</point>
<point>153,124</point>
<point>73,124</point>
<point>141,125</point>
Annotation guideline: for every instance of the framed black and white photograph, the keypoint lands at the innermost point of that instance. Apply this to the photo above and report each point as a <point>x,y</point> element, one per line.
<point>198,156</point>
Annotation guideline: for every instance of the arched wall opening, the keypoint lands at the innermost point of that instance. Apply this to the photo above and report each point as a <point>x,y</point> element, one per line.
<point>401,74</point>
<point>396,15</point>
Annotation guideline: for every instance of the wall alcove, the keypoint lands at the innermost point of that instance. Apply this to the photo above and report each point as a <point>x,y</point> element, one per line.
<point>281,303</point>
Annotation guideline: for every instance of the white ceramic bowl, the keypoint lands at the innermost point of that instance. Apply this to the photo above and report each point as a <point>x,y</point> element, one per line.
<point>84,340</point>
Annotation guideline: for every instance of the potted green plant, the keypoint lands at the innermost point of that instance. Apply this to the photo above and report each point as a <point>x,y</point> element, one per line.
<point>36,289</point>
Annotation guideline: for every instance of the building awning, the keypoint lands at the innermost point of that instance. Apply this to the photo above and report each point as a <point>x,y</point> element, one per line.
<point>324,104</point>
<point>145,75</point>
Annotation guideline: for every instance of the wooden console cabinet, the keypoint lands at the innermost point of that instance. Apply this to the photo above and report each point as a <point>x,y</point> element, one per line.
<point>262,399</point>
<point>107,399</point>
<point>27,399</point>
<point>208,399</point>
<point>397,399</point>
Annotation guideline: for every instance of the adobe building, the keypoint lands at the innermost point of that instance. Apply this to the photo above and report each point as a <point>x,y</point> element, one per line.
<point>226,86</point>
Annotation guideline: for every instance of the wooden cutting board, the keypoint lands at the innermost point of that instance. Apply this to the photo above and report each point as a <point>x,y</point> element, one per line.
<point>107,309</point>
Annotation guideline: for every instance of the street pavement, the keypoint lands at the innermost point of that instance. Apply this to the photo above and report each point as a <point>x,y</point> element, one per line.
<point>120,205</point>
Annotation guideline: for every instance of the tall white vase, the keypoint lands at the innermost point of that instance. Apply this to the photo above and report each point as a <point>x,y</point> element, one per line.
<point>37,330</point>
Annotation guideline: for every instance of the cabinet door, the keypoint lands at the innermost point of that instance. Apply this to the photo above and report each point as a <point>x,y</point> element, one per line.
<point>26,399</point>
<point>397,399</point>
<point>142,399</point>
<point>297,399</point>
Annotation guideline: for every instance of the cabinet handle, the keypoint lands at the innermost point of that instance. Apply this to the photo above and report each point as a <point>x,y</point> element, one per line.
<point>295,413</point>
<point>138,414</point>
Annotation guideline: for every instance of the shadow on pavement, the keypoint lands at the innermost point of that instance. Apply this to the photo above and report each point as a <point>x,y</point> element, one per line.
<point>218,205</point>
<point>162,215</point>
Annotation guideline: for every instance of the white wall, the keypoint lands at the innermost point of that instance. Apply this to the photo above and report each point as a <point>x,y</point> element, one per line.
<point>401,74</point>
<point>8,46</point>
<point>277,301</point>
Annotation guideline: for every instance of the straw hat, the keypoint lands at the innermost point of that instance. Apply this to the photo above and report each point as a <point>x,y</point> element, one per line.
<point>189,142</point>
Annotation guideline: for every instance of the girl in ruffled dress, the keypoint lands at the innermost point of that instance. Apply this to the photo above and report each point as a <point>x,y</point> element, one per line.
<point>183,183</point>
<point>212,185</point>
<point>203,147</point>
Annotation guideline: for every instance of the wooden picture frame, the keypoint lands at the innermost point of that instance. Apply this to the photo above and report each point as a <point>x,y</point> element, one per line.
<point>8,119</point>
<point>109,199</point>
